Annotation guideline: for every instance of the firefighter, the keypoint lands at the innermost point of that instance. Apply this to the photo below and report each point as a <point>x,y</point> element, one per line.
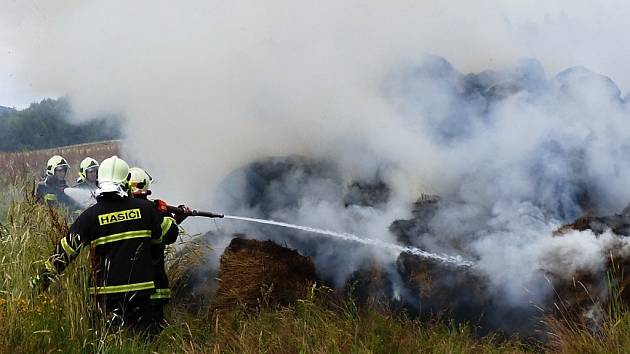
<point>119,232</point>
<point>84,192</point>
<point>51,189</point>
<point>140,183</point>
<point>88,174</point>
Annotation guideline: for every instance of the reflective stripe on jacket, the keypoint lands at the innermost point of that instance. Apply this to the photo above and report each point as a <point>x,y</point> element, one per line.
<point>120,232</point>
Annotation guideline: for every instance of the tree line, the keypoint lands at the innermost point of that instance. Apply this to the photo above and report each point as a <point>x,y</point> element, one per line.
<point>47,124</point>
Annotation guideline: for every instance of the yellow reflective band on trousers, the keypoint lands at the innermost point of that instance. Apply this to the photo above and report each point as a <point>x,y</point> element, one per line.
<point>161,294</point>
<point>50,267</point>
<point>122,288</point>
<point>50,197</point>
<point>66,247</point>
<point>121,236</point>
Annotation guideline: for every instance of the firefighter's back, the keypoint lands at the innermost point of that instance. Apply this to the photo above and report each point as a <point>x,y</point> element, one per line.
<point>120,230</point>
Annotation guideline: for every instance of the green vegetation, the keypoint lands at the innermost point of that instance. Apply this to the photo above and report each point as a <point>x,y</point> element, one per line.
<point>59,321</point>
<point>46,124</point>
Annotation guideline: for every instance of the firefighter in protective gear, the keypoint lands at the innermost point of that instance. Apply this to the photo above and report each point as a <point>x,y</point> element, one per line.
<point>119,231</point>
<point>84,192</point>
<point>51,189</point>
<point>140,183</point>
<point>88,174</point>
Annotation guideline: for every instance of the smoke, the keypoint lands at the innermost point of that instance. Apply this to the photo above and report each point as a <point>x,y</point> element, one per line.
<point>513,148</point>
<point>527,153</point>
<point>283,77</point>
<point>312,193</point>
<point>81,196</point>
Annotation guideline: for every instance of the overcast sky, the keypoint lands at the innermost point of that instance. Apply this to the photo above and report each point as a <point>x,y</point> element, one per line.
<point>472,35</point>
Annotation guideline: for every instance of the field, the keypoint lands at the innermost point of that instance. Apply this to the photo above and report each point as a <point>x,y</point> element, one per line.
<point>33,163</point>
<point>58,320</point>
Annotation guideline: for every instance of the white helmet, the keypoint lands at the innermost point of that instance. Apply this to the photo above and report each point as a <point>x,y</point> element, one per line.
<point>54,163</point>
<point>114,170</point>
<point>88,163</point>
<point>140,181</point>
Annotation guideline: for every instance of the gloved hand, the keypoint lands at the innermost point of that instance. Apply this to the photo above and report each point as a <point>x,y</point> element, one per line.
<point>182,213</point>
<point>161,205</point>
<point>40,282</point>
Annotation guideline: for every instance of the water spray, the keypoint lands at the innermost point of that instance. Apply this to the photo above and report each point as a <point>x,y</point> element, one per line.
<point>454,260</point>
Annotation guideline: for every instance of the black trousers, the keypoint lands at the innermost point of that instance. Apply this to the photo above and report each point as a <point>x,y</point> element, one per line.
<point>158,312</point>
<point>133,313</point>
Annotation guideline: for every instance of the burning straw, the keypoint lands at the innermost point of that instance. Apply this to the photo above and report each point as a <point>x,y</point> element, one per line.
<point>255,273</point>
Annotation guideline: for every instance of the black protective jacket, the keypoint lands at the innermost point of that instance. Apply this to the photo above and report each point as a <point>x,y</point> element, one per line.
<point>119,231</point>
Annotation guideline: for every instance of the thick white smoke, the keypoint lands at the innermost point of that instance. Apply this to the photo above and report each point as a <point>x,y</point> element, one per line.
<point>210,86</point>
<point>222,84</point>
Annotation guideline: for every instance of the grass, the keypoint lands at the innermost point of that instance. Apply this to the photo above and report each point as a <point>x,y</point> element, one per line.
<point>611,336</point>
<point>59,320</point>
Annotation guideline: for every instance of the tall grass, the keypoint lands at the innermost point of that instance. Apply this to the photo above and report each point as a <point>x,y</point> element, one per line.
<point>59,320</point>
<point>30,320</point>
<point>610,333</point>
<point>314,325</point>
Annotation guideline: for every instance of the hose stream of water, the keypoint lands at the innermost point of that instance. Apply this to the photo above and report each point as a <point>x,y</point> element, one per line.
<point>455,260</point>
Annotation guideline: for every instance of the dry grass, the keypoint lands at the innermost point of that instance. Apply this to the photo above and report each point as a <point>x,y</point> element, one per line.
<point>314,326</point>
<point>16,165</point>
<point>612,335</point>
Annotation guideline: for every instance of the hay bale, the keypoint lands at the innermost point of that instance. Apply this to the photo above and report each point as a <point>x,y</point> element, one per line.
<point>577,294</point>
<point>582,223</point>
<point>255,273</point>
<point>618,224</point>
<point>423,210</point>
<point>371,285</point>
<point>441,288</point>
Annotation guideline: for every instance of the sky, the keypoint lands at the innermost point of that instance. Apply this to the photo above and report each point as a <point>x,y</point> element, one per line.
<point>477,36</point>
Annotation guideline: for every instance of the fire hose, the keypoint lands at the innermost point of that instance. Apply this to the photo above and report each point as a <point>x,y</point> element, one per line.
<point>179,210</point>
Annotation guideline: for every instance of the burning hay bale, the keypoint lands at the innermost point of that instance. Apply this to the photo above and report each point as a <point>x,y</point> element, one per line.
<point>582,223</point>
<point>444,288</point>
<point>255,273</point>
<point>367,194</point>
<point>407,231</point>
<point>618,224</point>
<point>577,298</point>
<point>587,292</point>
<point>371,285</point>
<point>583,296</point>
